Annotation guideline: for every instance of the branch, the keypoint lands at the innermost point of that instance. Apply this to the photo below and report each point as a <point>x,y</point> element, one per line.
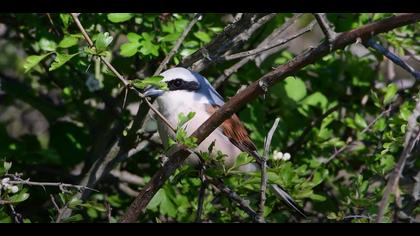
<point>326,27</point>
<point>270,46</point>
<point>411,139</point>
<point>16,216</point>
<point>263,188</point>
<point>178,43</point>
<point>178,154</point>
<point>232,37</point>
<point>394,58</point>
<point>277,33</point>
<point>59,210</point>
<point>61,186</point>
<point>4,202</point>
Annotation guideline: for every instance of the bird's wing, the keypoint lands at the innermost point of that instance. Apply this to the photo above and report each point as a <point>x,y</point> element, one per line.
<point>235,131</point>
<point>237,134</point>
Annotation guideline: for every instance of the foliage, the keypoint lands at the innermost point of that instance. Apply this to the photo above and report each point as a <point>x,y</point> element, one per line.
<point>62,108</point>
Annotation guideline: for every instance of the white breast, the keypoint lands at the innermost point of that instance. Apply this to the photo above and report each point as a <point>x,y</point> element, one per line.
<point>173,103</point>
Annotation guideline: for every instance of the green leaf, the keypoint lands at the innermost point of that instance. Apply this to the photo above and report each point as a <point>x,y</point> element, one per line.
<point>317,197</point>
<point>33,60</point>
<point>60,60</point>
<point>203,36</point>
<point>7,166</point>
<point>380,125</point>
<point>167,207</point>
<point>102,41</point>
<point>97,207</point>
<point>73,218</point>
<point>20,197</point>
<point>133,37</point>
<point>47,45</point>
<point>360,121</point>
<point>317,99</point>
<point>68,41</point>
<point>157,199</point>
<point>295,88</point>
<point>180,25</point>
<point>170,37</point>
<point>74,202</point>
<point>119,17</point>
<point>65,19</point>
<point>391,90</point>
<point>155,81</point>
<point>182,119</point>
<point>129,49</point>
<point>147,45</point>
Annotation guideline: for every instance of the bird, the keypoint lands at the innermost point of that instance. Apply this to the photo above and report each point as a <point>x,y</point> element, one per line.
<point>188,91</point>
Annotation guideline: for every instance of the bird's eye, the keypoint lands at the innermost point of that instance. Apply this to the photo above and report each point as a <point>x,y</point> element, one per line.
<point>177,83</point>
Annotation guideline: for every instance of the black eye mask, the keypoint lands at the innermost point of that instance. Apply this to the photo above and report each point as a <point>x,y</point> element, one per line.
<point>180,84</point>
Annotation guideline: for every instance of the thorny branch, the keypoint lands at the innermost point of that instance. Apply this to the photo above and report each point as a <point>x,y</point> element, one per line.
<point>61,186</point>
<point>178,154</point>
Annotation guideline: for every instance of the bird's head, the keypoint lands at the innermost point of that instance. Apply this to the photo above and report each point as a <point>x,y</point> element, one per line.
<point>177,79</point>
<point>181,82</point>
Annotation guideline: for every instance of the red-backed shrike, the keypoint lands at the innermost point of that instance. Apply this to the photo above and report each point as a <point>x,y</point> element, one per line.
<point>191,92</point>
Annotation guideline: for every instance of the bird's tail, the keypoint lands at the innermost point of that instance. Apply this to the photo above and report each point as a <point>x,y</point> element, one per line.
<point>281,193</point>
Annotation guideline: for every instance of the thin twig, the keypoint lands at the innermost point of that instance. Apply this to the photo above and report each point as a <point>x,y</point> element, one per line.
<point>62,213</point>
<point>269,46</point>
<point>54,203</point>
<point>277,33</point>
<point>59,210</point>
<point>263,188</point>
<point>412,54</point>
<point>201,195</point>
<point>126,83</point>
<point>326,28</point>
<point>178,44</point>
<point>52,24</point>
<point>244,205</point>
<point>108,209</point>
<point>367,128</point>
<point>16,216</point>
<point>411,139</point>
<point>62,186</point>
<point>394,58</point>
<point>4,202</point>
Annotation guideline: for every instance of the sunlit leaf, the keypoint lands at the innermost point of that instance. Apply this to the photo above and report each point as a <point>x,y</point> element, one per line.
<point>60,60</point>
<point>33,60</point>
<point>119,17</point>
